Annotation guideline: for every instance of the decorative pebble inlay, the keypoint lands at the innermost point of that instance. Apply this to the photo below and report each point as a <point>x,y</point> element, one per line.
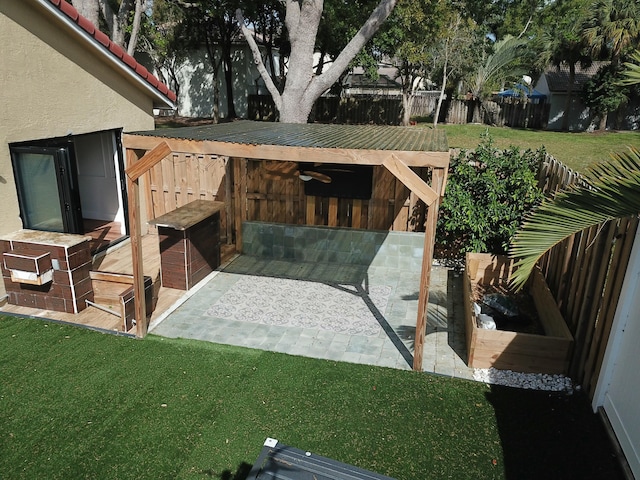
<point>287,302</point>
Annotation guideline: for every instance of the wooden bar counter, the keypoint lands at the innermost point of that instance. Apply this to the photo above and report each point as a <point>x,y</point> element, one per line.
<point>189,239</point>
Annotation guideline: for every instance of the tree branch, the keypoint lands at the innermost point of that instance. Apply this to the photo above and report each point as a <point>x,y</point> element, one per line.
<point>292,17</point>
<point>257,59</point>
<point>322,82</point>
<point>135,27</point>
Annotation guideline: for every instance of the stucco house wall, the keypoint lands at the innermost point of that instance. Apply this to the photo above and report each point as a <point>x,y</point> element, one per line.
<point>54,84</point>
<point>195,77</point>
<point>554,83</point>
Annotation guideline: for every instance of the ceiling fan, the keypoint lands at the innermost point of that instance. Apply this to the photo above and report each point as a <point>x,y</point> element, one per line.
<point>304,171</point>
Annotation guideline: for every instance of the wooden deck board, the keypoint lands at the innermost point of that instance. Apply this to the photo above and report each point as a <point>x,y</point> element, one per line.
<point>102,232</point>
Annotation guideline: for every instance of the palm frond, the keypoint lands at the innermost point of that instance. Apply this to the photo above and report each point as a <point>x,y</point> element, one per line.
<point>632,70</point>
<point>505,54</point>
<point>612,190</point>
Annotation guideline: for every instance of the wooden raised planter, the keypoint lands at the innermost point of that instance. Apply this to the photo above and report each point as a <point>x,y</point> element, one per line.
<point>507,350</point>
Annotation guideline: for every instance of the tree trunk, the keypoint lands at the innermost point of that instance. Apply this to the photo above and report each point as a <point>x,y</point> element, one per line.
<point>215,109</point>
<point>135,27</point>
<point>603,122</point>
<point>120,23</point>
<point>567,104</point>
<point>89,9</point>
<point>302,88</point>
<point>227,64</point>
<point>441,96</point>
<point>406,108</point>
<point>436,115</point>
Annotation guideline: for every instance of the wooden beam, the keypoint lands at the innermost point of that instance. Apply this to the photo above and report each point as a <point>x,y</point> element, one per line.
<point>240,197</point>
<point>425,276</point>
<point>290,153</point>
<point>311,210</point>
<point>407,176</point>
<point>111,277</point>
<point>333,212</point>
<point>356,213</point>
<point>228,189</point>
<point>155,155</point>
<point>135,229</point>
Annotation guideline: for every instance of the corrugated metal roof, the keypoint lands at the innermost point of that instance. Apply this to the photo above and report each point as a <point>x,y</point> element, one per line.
<point>316,135</point>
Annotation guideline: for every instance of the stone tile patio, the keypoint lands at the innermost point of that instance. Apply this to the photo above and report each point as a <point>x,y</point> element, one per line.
<point>352,313</point>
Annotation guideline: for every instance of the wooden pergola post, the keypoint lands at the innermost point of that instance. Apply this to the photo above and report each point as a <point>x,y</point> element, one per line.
<point>430,195</point>
<point>438,177</point>
<point>135,169</point>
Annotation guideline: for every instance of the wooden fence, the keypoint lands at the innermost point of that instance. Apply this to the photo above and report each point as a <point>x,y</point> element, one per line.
<point>499,112</point>
<point>388,111</point>
<point>181,178</point>
<point>349,110</point>
<point>391,207</point>
<point>585,274</point>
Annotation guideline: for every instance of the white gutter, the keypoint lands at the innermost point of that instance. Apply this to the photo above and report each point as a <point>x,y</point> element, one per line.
<point>103,52</point>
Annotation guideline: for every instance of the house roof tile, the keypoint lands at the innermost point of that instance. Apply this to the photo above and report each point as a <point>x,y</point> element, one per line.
<point>113,48</point>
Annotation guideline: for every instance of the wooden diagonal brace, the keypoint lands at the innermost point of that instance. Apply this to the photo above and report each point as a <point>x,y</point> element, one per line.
<point>411,180</point>
<point>147,162</point>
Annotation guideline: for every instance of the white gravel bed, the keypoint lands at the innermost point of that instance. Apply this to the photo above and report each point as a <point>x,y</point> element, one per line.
<point>532,381</point>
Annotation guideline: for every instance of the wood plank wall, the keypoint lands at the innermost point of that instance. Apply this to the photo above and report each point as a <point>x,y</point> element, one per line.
<point>181,178</point>
<point>392,206</point>
<point>585,274</point>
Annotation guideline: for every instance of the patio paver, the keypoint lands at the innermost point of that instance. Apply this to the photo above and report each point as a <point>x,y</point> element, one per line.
<point>391,346</point>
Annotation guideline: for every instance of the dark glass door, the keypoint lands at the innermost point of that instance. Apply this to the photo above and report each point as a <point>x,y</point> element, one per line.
<point>47,188</point>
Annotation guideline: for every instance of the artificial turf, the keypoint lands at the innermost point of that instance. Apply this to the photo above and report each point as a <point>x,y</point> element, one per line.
<point>75,403</point>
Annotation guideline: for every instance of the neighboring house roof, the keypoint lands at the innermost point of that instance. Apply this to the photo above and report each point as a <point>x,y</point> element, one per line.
<point>163,96</point>
<point>313,135</point>
<point>558,78</point>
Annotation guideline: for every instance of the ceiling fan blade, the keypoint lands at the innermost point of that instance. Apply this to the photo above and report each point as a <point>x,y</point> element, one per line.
<point>321,177</point>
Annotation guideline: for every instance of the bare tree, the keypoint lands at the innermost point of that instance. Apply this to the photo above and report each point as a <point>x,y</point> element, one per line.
<point>302,88</point>
<point>116,20</point>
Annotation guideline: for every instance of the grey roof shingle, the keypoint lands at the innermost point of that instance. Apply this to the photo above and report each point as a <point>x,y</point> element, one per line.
<point>558,78</point>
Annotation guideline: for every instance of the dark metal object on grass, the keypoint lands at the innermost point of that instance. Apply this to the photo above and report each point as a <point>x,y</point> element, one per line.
<point>282,462</point>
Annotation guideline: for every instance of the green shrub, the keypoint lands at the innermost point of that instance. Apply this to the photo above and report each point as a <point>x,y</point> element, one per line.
<point>487,195</point>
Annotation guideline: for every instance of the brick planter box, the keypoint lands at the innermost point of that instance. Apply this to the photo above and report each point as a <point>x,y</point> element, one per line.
<point>507,350</point>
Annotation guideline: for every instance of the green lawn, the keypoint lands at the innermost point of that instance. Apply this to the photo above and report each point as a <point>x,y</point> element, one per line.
<point>80,404</point>
<point>576,150</point>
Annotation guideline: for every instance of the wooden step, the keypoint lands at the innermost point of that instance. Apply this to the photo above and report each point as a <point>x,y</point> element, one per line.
<point>108,293</point>
<point>113,292</point>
